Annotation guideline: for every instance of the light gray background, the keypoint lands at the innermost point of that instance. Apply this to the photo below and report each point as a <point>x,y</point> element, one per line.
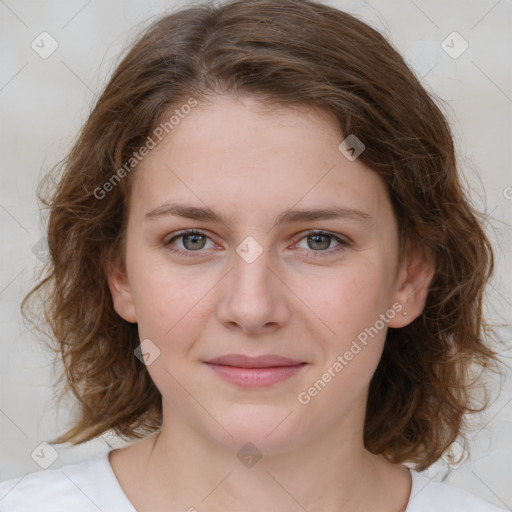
<point>44,102</point>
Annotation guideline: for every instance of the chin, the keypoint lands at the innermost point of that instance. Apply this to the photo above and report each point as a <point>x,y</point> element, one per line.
<point>264,429</point>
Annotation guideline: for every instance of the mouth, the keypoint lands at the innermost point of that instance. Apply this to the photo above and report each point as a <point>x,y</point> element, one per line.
<point>255,372</point>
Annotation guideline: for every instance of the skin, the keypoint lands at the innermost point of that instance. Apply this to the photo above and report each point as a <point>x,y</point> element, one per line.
<point>250,164</point>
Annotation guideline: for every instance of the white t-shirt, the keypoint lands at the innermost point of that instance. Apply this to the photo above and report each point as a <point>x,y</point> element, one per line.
<point>91,486</point>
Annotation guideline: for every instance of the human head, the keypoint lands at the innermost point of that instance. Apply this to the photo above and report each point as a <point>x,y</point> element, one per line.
<point>287,53</point>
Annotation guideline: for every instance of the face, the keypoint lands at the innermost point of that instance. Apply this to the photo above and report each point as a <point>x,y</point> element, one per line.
<point>260,276</point>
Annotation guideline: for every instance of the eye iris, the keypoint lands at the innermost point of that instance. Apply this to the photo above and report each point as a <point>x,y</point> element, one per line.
<point>316,238</point>
<point>194,238</point>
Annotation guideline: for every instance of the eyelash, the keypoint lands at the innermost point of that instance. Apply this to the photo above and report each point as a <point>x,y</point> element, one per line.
<point>315,254</point>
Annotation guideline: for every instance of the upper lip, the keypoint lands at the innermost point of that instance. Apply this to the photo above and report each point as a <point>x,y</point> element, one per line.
<point>264,361</point>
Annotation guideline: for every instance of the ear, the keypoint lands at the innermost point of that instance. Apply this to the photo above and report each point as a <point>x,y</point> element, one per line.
<point>412,284</point>
<point>120,291</point>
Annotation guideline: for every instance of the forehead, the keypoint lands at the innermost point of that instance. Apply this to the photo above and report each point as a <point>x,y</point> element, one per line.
<point>247,156</point>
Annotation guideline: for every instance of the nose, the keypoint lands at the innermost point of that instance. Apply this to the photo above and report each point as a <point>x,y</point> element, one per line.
<point>254,297</point>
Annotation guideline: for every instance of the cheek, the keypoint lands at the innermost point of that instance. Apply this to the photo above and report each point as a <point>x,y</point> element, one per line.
<point>168,300</point>
<point>351,306</point>
<point>171,307</point>
<point>352,347</point>
<point>351,300</point>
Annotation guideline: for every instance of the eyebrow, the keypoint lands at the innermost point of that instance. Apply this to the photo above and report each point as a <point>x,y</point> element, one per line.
<point>287,217</point>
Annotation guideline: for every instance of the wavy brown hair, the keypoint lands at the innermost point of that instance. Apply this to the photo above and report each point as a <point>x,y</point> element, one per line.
<point>287,52</point>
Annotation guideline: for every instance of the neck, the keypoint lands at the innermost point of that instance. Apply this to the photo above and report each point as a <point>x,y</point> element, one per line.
<point>181,467</point>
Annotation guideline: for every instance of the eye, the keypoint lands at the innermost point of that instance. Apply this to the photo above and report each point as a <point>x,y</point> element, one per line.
<point>191,241</point>
<point>318,242</point>
<point>194,241</point>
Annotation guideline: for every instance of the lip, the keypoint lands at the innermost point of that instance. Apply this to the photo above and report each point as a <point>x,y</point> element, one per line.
<point>255,372</point>
<point>263,361</point>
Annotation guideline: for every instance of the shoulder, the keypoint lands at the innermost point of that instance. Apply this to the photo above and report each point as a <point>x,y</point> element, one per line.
<point>429,496</point>
<point>82,487</point>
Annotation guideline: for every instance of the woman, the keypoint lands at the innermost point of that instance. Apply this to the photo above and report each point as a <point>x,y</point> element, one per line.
<point>265,271</point>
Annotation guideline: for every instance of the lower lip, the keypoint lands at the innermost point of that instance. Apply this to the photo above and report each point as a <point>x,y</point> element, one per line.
<point>255,377</point>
